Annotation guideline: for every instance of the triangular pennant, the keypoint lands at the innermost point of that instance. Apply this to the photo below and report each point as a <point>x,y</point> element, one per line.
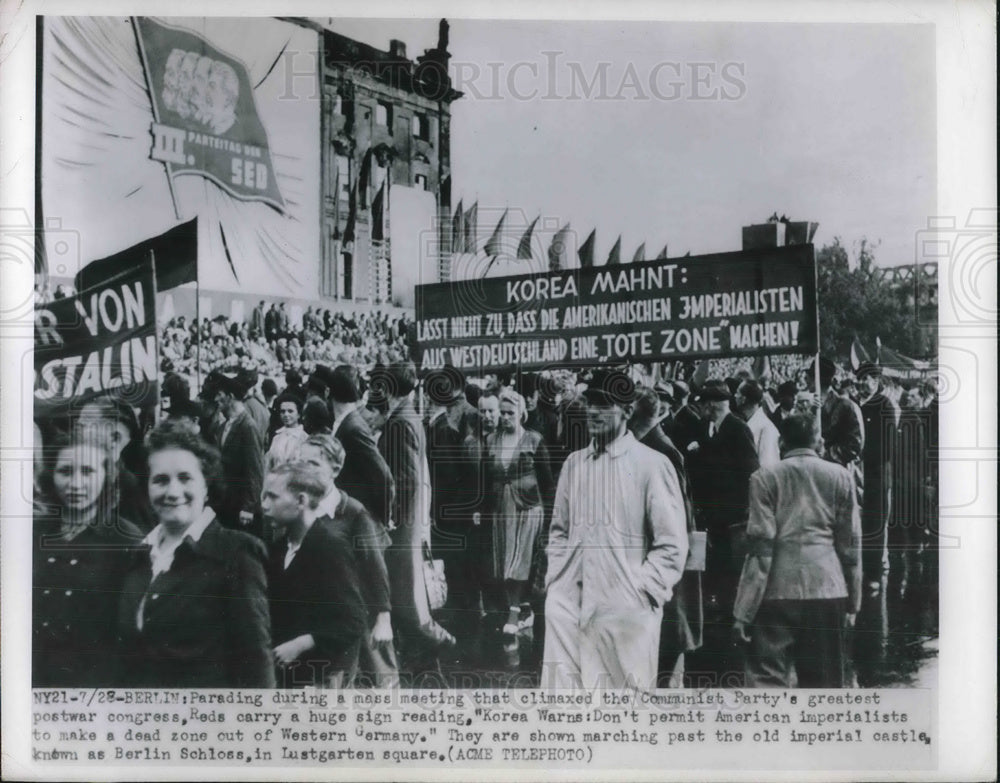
<point>615,256</point>
<point>458,230</point>
<point>471,228</point>
<point>640,253</point>
<point>559,250</point>
<point>524,247</point>
<point>494,245</point>
<point>586,251</point>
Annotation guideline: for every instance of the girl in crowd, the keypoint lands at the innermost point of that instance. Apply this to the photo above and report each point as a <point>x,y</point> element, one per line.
<point>518,479</point>
<point>194,609</point>
<point>291,435</point>
<point>117,424</point>
<point>81,553</point>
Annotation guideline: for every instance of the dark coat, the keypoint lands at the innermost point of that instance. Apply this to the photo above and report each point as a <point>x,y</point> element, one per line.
<point>403,447</point>
<point>318,594</point>
<point>444,453</point>
<point>842,433</point>
<point>879,415</point>
<point>682,615</point>
<point>75,590</point>
<point>205,621</point>
<point>365,475</point>
<point>570,434</point>
<point>271,323</point>
<point>778,415</point>
<point>684,428</point>
<point>720,473</point>
<point>242,470</point>
<point>464,418</point>
<point>368,541</point>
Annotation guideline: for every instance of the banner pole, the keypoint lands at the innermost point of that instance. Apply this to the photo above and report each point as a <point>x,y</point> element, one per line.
<point>156,326</point>
<point>197,330</point>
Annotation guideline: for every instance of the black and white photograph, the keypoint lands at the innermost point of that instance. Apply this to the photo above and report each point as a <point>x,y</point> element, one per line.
<point>403,386</point>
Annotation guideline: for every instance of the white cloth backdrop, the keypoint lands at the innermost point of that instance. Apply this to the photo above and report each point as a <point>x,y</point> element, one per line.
<point>98,180</point>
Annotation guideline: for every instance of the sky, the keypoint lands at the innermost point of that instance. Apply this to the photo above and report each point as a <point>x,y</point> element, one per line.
<point>697,129</point>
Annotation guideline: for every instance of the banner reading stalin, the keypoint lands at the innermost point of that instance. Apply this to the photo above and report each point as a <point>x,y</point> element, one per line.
<point>206,121</point>
<point>749,303</point>
<point>101,341</point>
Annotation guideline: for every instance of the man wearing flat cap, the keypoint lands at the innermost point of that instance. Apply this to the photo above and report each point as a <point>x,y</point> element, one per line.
<point>879,415</point>
<point>720,464</point>
<point>617,547</point>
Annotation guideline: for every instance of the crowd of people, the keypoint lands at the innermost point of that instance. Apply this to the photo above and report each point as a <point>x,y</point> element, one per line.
<point>271,342</point>
<point>357,526</point>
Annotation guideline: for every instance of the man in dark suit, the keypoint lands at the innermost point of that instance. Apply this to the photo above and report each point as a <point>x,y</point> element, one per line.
<point>462,415</point>
<point>284,322</point>
<point>682,615</point>
<point>317,612</point>
<point>787,392</point>
<point>720,463</point>
<point>403,447</point>
<point>685,424</point>
<point>450,523</point>
<point>879,414</point>
<point>272,324</point>
<point>242,455</point>
<point>365,475</point>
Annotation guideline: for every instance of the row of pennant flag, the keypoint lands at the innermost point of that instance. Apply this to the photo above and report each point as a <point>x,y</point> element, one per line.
<point>465,239</point>
<point>892,362</point>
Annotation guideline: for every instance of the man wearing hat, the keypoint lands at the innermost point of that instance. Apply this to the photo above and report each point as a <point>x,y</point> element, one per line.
<point>365,475</point>
<point>684,424</point>
<point>879,415</point>
<point>255,407</point>
<point>843,424</point>
<point>617,547</point>
<point>464,418</point>
<point>720,464</point>
<point>242,454</point>
<point>787,392</point>
<point>749,404</point>
<point>450,524</point>
<point>403,447</point>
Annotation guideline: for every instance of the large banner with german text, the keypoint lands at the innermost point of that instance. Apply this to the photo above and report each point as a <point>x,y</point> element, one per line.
<point>101,341</point>
<point>747,303</point>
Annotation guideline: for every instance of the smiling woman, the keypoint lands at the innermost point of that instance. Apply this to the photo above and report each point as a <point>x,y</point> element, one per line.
<point>194,609</point>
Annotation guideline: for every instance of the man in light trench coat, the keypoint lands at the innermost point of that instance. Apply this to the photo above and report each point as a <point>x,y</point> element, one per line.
<point>617,546</point>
